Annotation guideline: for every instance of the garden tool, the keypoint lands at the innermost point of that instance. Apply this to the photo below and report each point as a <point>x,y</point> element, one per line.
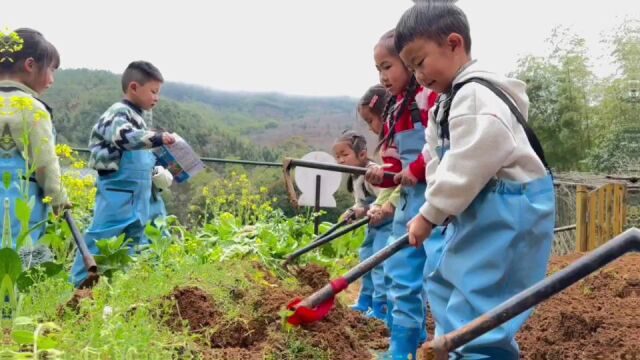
<point>439,348</point>
<point>87,258</point>
<point>333,228</point>
<point>318,305</point>
<point>289,163</point>
<point>325,239</point>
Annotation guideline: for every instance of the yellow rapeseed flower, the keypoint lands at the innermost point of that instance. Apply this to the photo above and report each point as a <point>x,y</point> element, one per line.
<point>21,103</point>
<point>46,200</point>
<point>64,151</point>
<point>40,115</point>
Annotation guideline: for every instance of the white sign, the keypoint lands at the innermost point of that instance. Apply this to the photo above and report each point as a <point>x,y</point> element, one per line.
<point>306,181</point>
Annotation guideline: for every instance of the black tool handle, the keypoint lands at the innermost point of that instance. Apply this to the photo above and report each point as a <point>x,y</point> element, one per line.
<point>89,261</point>
<point>331,229</point>
<point>323,240</point>
<point>355,273</point>
<point>544,289</point>
<point>355,170</point>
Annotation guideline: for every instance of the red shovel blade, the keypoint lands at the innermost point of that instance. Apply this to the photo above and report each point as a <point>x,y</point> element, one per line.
<point>305,315</point>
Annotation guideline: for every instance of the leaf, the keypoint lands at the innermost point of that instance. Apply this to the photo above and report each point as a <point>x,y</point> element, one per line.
<point>46,343</point>
<point>7,290</point>
<point>23,212</point>
<point>6,179</point>
<point>103,246</point>
<point>152,232</point>
<point>22,337</point>
<point>160,222</point>
<point>10,264</point>
<point>23,320</point>
<point>49,240</point>
<point>38,273</point>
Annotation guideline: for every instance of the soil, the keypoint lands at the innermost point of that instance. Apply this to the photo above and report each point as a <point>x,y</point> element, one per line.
<point>343,334</point>
<point>74,303</point>
<point>313,275</point>
<point>597,318</point>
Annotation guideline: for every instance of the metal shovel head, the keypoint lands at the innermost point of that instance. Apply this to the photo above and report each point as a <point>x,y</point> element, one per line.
<point>304,315</point>
<point>90,281</point>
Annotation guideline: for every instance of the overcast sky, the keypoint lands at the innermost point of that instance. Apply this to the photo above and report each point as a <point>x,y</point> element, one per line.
<point>302,47</point>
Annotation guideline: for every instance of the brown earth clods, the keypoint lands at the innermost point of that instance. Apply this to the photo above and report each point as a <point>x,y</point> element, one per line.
<point>343,334</point>
<point>74,303</point>
<point>597,318</point>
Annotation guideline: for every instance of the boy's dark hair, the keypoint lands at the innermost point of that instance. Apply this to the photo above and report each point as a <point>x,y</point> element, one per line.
<point>141,72</point>
<point>34,46</point>
<point>375,98</point>
<point>433,20</point>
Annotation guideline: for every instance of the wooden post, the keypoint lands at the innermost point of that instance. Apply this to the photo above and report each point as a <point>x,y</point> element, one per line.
<point>581,218</point>
<point>316,225</point>
<point>592,220</point>
<point>602,212</point>
<point>608,216</point>
<point>619,207</point>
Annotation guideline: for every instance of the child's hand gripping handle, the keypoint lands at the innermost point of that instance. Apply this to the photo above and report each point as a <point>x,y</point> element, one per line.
<point>89,261</point>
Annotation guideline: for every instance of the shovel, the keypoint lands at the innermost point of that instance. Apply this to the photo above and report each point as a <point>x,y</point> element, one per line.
<point>318,305</point>
<point>325,239</point>
<point>439,348</point>
<point>335,227</point>
<point>87,258</point>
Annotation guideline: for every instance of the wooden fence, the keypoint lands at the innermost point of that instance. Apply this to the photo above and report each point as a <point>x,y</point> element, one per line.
<point>600,214</point>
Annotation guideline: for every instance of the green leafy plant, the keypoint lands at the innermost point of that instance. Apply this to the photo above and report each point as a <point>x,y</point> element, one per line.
<point>114,255</point>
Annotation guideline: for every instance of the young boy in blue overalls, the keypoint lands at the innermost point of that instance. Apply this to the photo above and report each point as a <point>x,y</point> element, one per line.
<point>120,152</point>
<point>487,178</point>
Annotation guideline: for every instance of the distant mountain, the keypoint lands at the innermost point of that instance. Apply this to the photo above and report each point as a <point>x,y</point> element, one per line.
<point>217,123</point>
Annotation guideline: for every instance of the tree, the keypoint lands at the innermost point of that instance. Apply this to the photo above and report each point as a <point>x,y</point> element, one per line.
<point>618,128</point>
<point>559,89</point>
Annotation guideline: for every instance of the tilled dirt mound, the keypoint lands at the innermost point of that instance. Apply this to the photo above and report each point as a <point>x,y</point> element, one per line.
<point>314,276</point>
<point>343,334</point>
<point>597,318</point>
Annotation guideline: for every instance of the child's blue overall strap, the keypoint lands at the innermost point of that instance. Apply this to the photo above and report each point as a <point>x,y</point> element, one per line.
<point>444,123</point>
<point>12,163</point>
<point>123,205</point>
